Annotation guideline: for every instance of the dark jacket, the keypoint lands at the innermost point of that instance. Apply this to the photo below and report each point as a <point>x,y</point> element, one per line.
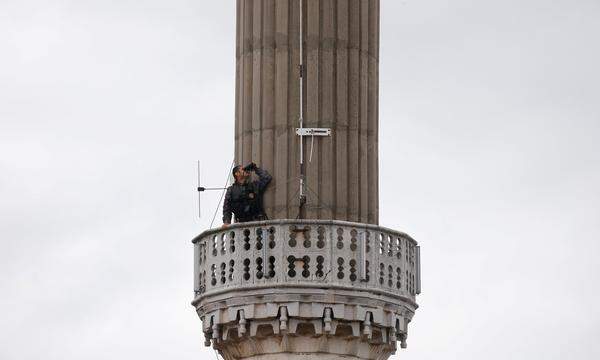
<point>245,200</point>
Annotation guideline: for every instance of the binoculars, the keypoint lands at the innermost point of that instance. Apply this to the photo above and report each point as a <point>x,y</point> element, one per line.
<point>250,167</point>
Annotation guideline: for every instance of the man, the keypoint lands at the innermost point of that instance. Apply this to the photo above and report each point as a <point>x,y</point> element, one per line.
<point>244,197</point>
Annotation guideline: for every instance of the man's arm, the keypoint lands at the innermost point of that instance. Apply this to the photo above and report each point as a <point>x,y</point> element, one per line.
<point>227,213</point>
<point>264,178</point>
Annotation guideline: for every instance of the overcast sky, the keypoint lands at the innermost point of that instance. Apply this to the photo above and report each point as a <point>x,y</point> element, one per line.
<point>489,157</point>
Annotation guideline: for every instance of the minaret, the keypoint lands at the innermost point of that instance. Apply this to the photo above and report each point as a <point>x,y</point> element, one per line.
<point>321,279</point>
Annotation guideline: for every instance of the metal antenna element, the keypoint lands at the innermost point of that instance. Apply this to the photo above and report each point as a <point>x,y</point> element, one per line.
<point>202,189</point>
<point>199,195</point>
<point>312,144</point>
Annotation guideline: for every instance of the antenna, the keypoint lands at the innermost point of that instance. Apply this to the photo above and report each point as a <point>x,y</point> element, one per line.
<point>199,194</point>
<point>302,131</point>
<point>302,175</point>
<point>202,189</point>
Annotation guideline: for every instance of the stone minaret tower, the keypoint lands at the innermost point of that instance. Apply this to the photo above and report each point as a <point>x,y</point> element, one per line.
<point>321,280</point>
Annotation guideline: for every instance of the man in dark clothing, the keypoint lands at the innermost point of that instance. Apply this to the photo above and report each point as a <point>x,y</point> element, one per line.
<point>244,197</point>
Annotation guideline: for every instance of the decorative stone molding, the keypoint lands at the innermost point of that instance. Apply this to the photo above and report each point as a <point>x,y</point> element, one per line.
<point>302,287</point>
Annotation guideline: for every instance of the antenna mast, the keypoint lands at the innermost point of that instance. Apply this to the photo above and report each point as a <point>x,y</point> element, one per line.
<point>301,72</point>
<point>302,131</point>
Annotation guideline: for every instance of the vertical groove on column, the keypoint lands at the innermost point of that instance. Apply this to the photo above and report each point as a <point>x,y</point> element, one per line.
<point>268,96</point>
<point>353,119</point>
<point>377,114</point>
<point>363,109</point>
<point>373,52</point>
<point>312,105</point>
<point>327,70</point>
<point>341,130</point>
<point>238,90</point>
<point>257,79</point>
<point>318,121</point>
<point>248,68</point>
<point>280,171</point>
<point>334,118</point>
<point>240,84</point>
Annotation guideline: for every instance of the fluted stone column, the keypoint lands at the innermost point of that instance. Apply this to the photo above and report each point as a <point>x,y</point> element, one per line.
<point>341,52</point>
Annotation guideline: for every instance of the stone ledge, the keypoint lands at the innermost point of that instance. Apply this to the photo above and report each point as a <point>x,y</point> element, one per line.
<point>232,320</point>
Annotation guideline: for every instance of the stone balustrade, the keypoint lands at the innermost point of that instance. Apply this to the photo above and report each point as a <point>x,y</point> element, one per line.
<point>338,277</point>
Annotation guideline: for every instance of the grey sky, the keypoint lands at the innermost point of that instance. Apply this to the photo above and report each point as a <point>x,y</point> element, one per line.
<point>489,157</point>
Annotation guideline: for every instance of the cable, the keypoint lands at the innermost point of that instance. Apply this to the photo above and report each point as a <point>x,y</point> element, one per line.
<point>222,193</point>
<point>312,143</point>
<point>301,100</point>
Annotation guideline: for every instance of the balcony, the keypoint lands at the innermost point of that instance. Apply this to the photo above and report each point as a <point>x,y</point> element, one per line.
<point>359,276</point>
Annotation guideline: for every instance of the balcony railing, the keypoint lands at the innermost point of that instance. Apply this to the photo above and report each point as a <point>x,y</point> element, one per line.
<point>306,253</point>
